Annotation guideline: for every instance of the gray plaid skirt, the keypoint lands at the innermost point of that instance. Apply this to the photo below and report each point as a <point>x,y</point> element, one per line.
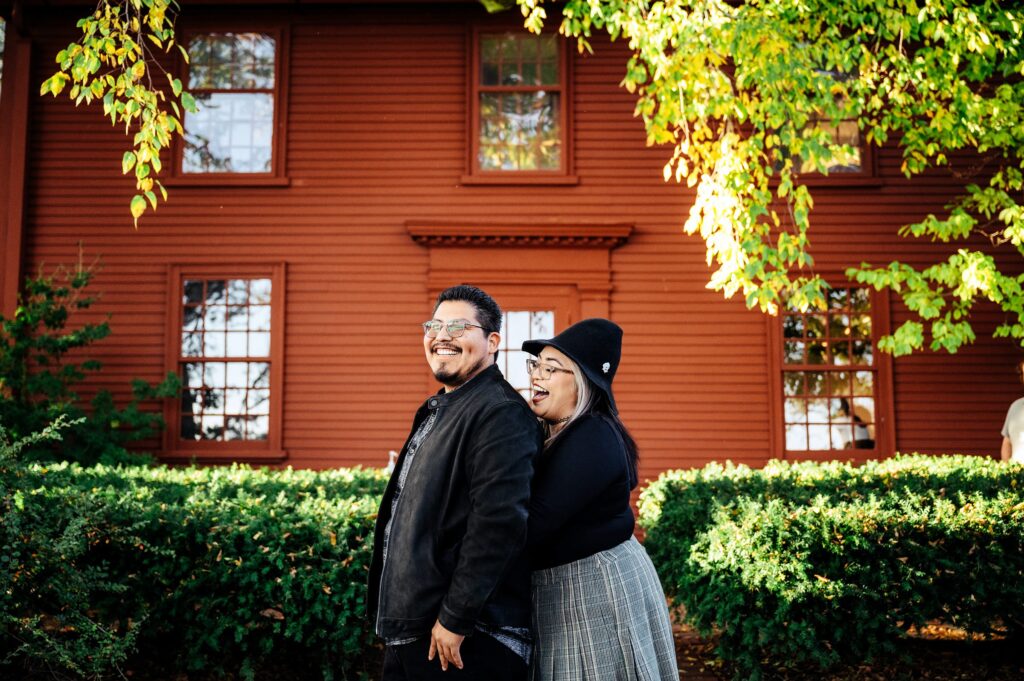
<point>602,618</point>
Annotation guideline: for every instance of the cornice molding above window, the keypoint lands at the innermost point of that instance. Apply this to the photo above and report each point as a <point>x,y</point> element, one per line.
<point>569,234</point>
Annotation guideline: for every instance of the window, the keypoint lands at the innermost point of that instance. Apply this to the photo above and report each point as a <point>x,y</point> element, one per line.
<point>3,32</point>
<point>832,379</point>
<point>236,81</point>
<point>853,161</point>
<point>518,326</point>
<point>227,353</point>
<point>519,107</point>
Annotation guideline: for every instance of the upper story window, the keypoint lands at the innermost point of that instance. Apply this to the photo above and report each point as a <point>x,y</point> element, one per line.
<point>227,353</point>
<point>852,161</point>
<point>3,31</point>
<point>236,81</point>
<point>831,379</point>
<point>518,326</point>
<point>520,102</point>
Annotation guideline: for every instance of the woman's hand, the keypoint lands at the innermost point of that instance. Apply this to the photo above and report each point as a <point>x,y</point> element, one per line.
<point>446,645</point>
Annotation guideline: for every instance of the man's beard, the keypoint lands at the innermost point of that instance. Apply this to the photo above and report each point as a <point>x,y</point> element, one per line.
<point>454,379</point>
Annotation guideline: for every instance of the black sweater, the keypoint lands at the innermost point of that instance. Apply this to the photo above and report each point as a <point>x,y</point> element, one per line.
<point>580,499</point>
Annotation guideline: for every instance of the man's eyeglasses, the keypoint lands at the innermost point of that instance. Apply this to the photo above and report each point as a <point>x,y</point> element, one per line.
<point>546,370</point>
<point>455,328</point>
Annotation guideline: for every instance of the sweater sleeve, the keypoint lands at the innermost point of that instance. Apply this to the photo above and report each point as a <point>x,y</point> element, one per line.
<point>585,463</point>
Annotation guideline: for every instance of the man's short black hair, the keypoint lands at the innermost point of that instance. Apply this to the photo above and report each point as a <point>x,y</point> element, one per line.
<point>488,314</point>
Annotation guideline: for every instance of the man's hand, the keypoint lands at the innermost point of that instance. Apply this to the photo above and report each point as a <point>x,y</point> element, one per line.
<point>446,644</point>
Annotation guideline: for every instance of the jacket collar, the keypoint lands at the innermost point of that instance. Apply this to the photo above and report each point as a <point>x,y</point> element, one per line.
<point>442,398</point>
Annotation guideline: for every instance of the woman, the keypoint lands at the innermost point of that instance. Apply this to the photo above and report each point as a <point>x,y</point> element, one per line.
<point>598,609</point>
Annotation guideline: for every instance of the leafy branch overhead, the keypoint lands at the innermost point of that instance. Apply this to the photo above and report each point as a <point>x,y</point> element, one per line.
<point>742,90</point>
<point>115,61</point>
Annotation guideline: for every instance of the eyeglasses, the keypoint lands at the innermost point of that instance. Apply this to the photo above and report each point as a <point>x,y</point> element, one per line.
<point>546,370</point>
<point>455,328</point>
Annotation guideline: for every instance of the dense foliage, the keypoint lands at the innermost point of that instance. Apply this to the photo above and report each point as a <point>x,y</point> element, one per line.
<point>41,369</point>
<point>160,571</point>
<point>821,563</point>
<point>750,95</point>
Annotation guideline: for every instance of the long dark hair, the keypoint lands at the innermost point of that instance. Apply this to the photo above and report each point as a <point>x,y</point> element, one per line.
<point>591,400</point>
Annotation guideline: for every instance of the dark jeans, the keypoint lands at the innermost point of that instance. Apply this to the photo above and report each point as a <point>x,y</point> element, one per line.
<point>483,659</point>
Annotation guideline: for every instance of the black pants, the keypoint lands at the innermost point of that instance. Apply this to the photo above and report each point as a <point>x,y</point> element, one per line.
<point>483,659</point>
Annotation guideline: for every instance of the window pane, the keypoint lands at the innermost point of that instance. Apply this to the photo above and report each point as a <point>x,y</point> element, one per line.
<point>817,411</point>
<point>815,326</point>
<point>818,437</point>
<point>842,436</point>
<point>517,327</point>
<point>190,428</point>
<point>796,411</point>
<point>816,383</point>
<point>793,352</point>
<point>259,344</point>
<point>860,352</point>
<point>259,317</point>
<point>193,292</point>
<point>258,428</point>
<point>862,383</point>
<point>236,374</point>
<point>520,131</point>
<point>839,383</point>
<point>213,344</point>
<point>816,353</point>
<point>234,401</point>
<point>542,325</point>
<point>192,344</point>
<point>236,344</point>
<point>235,429</point>
<point>259,374</point>
<point>231,61</point>
<point>793,326</point>
<point>796,437</point>
<point>793,383</point>
<point>192,375</point>
<point>259,291</point>
<point>231,133</point>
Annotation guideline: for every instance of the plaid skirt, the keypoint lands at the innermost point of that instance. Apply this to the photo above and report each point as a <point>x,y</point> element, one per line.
<point>602,618</point>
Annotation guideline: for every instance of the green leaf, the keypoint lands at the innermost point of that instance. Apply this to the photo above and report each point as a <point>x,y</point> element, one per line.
<point>127,162</point>
<point>138,207</point>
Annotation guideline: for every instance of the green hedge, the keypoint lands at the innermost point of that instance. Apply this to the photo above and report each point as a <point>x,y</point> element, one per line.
<point>105,569</point>
<point>821,563</point>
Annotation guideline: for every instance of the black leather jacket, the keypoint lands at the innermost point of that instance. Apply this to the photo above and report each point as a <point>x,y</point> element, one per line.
<point>455,549</point>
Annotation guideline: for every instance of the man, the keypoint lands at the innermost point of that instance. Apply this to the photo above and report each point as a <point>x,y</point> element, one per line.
<point>1013,427</point>
<point>449,586</point>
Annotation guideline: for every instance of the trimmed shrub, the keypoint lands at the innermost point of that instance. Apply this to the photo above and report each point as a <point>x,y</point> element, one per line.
<point>212,569</point>
<point>821,563</point>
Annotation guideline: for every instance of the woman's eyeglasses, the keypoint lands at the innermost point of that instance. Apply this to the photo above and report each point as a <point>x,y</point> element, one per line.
<point>546,370</point>
<point>455,328</point>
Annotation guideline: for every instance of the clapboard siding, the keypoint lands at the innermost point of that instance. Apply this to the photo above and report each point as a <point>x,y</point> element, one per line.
<point>377,137</point>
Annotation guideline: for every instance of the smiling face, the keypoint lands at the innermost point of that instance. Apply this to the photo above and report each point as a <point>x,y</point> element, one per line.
<point>553,398</point>
<point>456,360</point>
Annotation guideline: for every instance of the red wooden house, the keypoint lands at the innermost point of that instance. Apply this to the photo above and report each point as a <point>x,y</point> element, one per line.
<point>352,159</point>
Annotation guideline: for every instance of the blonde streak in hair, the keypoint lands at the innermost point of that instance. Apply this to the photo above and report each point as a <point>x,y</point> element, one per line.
<point>584,402</point>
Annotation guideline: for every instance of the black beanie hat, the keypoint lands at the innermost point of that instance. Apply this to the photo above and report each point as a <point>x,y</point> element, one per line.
<point>595,345</point>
